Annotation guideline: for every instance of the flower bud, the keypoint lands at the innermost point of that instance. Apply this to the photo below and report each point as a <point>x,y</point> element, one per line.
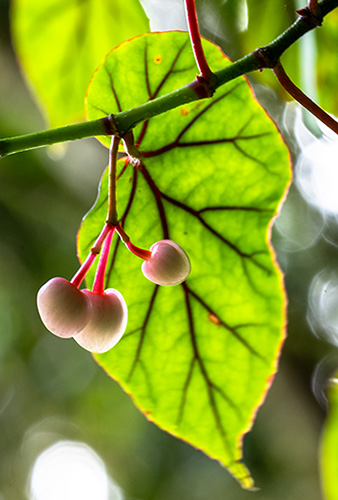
<point>168,264</point>
<point>63,308</point>
<point>108,321</point>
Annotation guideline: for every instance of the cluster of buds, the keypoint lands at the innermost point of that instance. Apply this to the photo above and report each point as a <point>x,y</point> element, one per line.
<point>97,319</point>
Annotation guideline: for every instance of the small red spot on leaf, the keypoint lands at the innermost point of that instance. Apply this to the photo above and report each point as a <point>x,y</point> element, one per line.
<point>214,319</point>
<point>184,111</point>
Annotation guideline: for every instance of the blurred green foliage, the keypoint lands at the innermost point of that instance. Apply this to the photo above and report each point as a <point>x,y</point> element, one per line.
<point>52,390</point>
<point>60,67</point>
<point>329,449</point>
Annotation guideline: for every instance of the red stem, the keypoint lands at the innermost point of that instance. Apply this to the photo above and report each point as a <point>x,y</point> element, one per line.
<point>303,99</point>
<point>98,286</point>
<point>196,42</point>
<point>94,251</point>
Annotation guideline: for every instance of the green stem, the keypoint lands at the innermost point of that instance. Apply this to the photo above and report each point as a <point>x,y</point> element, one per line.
<point>102,126</point>
<point>126,120</point>
<point>121,123</point>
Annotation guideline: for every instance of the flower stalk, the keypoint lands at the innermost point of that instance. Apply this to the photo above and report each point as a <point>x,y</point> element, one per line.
<point>94,252</point>
<point>98,286</point>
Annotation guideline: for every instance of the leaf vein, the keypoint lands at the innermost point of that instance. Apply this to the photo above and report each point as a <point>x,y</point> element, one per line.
<point>231,329</point>
<point>158,199</point>
<point>143,333</point>
<point>160,85</point>
<point>211,387</point>
<point>116,97</point>
<point>196,213</point>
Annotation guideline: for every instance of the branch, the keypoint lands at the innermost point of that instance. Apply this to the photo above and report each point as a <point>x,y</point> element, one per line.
<point>102,126</point>
<point>119,124</point>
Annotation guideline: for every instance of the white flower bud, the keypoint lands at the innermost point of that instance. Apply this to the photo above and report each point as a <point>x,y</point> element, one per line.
<point>168,264</point>
<point>107,324</point>
<point>63,308</point>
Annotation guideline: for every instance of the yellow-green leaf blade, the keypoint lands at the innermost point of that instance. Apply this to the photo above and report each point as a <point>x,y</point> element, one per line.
<point>197,358</point>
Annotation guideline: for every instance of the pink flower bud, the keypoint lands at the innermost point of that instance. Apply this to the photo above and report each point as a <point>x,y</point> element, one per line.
<point>168,264</point>
<point>108,321</point>
<point>63,308</point>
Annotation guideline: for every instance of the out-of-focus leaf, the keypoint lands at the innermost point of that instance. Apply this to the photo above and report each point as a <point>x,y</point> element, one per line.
<point>60,43</point>
<point>329,448</point>
<point>197,358</point>
<point>327,70</point>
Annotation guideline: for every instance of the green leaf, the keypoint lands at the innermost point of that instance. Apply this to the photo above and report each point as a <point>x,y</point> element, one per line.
<point>329,447</point>
<point>61,42</point>
<point>197,358</point>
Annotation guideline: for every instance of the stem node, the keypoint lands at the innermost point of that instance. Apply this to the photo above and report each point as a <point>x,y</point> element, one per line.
<point>110,126</point>
<point>133,153</point>
<point>265,57</point>
<point>312,16</point>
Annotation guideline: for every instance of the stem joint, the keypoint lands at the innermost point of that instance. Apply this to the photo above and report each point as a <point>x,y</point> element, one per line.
<point>110,126</point>
<point>265,57</point>
<point>313,17</point>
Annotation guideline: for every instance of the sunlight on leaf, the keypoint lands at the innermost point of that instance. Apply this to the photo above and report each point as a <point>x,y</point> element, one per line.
<point>329,447</point>
<point>197,358</point>
<point>61,42</point>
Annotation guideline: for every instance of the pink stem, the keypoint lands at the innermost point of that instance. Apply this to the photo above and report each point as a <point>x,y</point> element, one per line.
<point>196,42</point>
<point>98,286</point>
<point>143,254</point>
<point>94,251</point>
<point>122,234</point>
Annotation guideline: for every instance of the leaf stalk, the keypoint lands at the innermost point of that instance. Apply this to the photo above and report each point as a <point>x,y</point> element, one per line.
<point>206,75</point>
<point>303,99</point>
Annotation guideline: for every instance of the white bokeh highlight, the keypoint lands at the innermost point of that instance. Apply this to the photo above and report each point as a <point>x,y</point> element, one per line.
<point>322,313</point>
<point>71,470</point>
<point>317,166</point>
<point>165,15</point>
<point>299,225</point>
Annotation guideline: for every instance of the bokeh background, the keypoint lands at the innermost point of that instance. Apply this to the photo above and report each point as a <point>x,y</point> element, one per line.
<point>67,431</point>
